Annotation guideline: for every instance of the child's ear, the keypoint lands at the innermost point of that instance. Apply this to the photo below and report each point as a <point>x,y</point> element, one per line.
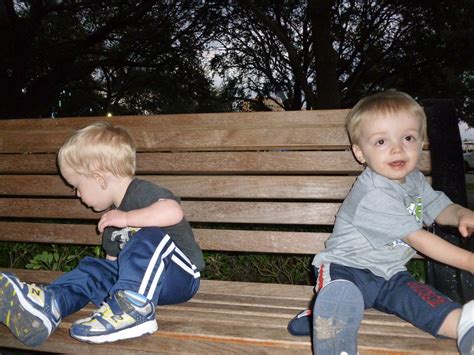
<point>100,179</point>
<point>359,155</point>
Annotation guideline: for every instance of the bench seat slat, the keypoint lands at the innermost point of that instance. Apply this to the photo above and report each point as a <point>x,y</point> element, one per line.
<point>164,342</point>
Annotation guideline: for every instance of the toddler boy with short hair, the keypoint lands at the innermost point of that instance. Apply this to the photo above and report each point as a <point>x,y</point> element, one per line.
<point>151,259</point>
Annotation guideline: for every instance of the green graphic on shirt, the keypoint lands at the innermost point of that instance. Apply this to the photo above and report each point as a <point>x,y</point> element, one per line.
<point>416,209</point>
<point>419,209</point>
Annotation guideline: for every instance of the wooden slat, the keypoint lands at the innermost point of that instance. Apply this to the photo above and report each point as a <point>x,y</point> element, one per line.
<point>231,136</point>
<point>160,343</point>
<point>282,118</point>
<point>209,239</point>
<point>177,139</point>
<point>202,186</point>
<point>306,213</point>
<point>28,164</point>
<point>274,162</point>
<point>261,212</point>
<point>261,241</point>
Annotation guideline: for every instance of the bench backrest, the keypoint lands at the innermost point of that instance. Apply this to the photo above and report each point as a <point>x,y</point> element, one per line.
<point>251,182</point>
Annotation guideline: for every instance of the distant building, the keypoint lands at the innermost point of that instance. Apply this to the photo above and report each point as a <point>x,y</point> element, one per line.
<point>467,137</point>
<point>269,104</point>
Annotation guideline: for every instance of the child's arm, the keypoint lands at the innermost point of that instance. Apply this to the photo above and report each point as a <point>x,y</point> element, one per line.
<point>162,213</point>
<point>456,215</point>
<point>437,248</point>
<point>440,250</point>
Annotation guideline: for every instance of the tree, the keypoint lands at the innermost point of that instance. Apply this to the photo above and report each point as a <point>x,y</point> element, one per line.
<point>322,53</point>
<point>89,57</point>
<point>264,50</point>
<point>141,56</point>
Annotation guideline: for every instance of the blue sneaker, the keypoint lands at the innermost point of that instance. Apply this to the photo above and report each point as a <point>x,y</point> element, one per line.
<point>127,315</point>
<point>30,312</point>
<point>302,323</point>
<point>466,330</point>
<point>337,313</point>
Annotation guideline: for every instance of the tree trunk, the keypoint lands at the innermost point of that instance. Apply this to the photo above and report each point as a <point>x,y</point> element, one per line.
<point>328,95</point>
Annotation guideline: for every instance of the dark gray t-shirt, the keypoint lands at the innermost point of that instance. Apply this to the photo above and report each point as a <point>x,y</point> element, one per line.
<point>141,194</point>
<point>375,217</point>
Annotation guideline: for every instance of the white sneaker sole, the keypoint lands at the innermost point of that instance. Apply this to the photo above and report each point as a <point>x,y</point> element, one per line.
<point>40,325</point>
<point>133,332</point>
<point>337,314</point>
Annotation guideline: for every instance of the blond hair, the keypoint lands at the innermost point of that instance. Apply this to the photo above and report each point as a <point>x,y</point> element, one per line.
<point>382,104</point>
<point>99,147</point>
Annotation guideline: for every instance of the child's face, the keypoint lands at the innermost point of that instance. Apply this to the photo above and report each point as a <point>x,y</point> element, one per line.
<point>92,190</point>
<point>390,145</point>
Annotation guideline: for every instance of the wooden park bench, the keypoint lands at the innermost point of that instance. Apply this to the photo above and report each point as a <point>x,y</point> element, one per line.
<point>255,182</point>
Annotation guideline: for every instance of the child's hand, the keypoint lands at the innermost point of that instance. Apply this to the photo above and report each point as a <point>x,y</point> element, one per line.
<point>114,218</point>
<point>466,224</point>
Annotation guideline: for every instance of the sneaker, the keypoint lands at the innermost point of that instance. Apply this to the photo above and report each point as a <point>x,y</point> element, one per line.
<point>127,315</point>
<point>302,323</point>
<point>466,330</point>
<point>30,312</point>
<point>337,313</point>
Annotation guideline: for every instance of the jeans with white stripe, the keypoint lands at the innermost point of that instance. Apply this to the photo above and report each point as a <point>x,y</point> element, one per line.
<point>150,264</point>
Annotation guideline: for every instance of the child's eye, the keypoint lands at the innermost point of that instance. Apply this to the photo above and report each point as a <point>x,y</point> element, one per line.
<point>410,138</point>
<point>380,142</point>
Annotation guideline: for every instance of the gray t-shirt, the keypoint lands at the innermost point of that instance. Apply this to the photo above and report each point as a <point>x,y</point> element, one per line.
<point>375,217</point>
<point>141,194</point>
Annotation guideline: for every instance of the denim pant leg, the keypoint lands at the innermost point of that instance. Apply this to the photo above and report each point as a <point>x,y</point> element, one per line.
<point>90,281</point>
<point>415,302</point>
<point>366,282</point>
<point>152,265</point>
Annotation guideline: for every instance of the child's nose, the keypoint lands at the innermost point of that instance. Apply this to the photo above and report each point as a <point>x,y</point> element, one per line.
<point>396,148</point>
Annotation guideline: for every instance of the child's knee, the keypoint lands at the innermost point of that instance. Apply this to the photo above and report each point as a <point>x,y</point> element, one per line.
<point>450,324</point>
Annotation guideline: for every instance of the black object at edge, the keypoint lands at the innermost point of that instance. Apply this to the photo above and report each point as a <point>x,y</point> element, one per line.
<point>448,176</point>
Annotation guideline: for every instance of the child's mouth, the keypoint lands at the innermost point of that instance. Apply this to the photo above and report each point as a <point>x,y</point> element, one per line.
<point>397,164</point>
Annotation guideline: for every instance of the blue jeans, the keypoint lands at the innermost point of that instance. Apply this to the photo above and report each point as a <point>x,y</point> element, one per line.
<point>413,301</point>
<point>150,264</point>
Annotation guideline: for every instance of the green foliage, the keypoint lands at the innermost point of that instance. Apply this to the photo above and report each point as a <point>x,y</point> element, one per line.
<point>271,268</point>
<point>16,255</point>
<point>61,257</point>
<point>44,256</point>
<point>249,267</point>
<point>417,268</point>
<point>288,269</point>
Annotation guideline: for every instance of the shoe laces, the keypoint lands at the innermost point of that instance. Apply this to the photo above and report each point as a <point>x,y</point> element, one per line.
<point>32,285</point>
